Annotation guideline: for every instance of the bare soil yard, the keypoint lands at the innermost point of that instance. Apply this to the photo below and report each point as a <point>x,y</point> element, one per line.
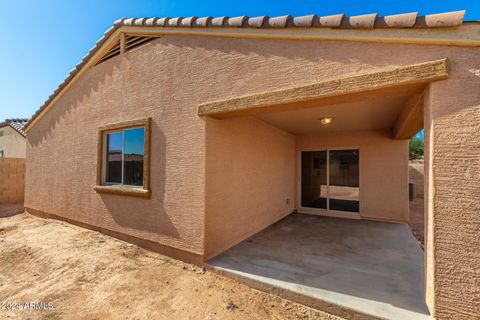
<point>87,275</point>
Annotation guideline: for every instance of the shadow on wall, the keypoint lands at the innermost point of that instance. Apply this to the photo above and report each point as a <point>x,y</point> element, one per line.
<point>72,99</point>
<point>146,214</point>
<point>304,61</point>
<point>142,215</point>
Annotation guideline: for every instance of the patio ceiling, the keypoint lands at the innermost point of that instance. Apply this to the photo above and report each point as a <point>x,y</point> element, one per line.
<point>372,114</point>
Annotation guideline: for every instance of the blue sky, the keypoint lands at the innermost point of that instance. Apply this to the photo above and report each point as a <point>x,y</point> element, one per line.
<point>43,40</point>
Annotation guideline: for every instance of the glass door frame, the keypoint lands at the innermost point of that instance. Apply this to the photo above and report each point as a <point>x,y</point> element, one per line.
<point>327,211</point>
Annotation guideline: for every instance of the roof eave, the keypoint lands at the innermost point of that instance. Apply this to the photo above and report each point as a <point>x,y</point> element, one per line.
<point>462,35</point>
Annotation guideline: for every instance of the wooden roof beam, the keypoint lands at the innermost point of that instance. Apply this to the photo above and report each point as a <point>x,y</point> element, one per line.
<point>410,120</point>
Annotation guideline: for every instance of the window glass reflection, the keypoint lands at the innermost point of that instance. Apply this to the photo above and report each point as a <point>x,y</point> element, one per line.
<point>344,180</point>
<point>134,141</point>
<point>113,172</point>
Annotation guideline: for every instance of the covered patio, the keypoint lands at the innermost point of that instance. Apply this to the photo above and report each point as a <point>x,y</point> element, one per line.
<point>351,268</point>
<point>353,255</point>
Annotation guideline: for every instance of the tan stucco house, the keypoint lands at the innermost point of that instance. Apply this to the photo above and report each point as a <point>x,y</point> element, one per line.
<point>12,138</point>
<point>189,135</point>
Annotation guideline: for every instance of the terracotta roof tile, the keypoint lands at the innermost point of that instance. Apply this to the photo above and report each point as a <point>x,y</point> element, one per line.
<point>237,21</point>
<point>161,22</point>
<point>404,20</point>
<point>150,22</point>
<point>448,19</point>
<point>306,21</point>
<point>365,21</point>
<point>203,22</point>
<point>220,21</point>
<point>280,22</point>
<point>118,22</point>
<point>339,21</point>
<point>174,22</point>
<point>368,21</point>
<point>331,21</point>
<point>257,22</point>
<point>188,22</point>
<point>139,21</point>
<point>127,22</point>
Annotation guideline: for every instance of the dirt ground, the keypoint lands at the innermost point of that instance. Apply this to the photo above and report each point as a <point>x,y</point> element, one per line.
<point>82,274</point>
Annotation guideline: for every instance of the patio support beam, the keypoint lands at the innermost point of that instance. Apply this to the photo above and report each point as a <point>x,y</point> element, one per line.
<point>400,80</point>
<point>410,120</point>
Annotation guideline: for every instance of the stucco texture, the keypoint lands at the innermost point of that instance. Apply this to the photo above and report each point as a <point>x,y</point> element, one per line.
<point>250,180</point>
<point>383,169</point>
<point>168,78</point>
<point>12,143</point>
<point>12,180</point>
<point>452,183</point>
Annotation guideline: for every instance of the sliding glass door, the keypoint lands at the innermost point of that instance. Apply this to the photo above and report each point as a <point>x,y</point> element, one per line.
<point>343,188</point>
<point>314,179</point>
<point>330,180</point>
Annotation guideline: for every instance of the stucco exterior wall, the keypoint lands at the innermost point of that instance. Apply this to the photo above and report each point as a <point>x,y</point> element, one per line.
<point>169,77</point>
<point>452,136</point>
<point>250,171</point>
<point>151,81</point>
<point>12,143</point>
<point>165,79</point>
<point>12,180</point>
<point>383,169</point>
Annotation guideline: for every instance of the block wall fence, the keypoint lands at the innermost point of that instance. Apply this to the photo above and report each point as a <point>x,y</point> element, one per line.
<point>12,180</point>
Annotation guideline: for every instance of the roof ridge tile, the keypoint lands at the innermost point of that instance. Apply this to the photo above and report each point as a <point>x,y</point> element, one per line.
<point>403,20</point>
<point>257,22</point>
<point>203,22</point>
<point>162,22</point>
<point>237,21</point>
<point>447,19</point>
<point>188,22</point>
<point>364,21</point>
<point>281,21</point>
<point>219,21</point>
<point>306,21</point>
<point>174,22</point>
<point>332,20</point>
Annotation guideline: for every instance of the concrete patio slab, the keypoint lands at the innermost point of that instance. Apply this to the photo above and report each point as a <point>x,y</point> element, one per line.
<point>352,268</point>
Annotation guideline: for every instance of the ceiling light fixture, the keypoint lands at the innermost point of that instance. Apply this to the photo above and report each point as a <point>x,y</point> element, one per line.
<point>326,120</point>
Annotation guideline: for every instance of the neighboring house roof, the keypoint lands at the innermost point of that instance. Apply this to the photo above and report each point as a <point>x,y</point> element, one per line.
<point>18,124</point>
<point>340,21</point>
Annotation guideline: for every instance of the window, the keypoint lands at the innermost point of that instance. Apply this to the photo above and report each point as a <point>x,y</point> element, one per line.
<point>123,161</point>
<point>330,180</point>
